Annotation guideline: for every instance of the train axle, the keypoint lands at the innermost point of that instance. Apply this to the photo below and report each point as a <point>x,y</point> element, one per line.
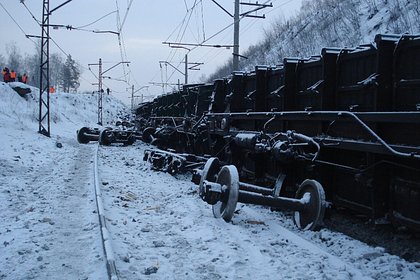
<point>223,190</point>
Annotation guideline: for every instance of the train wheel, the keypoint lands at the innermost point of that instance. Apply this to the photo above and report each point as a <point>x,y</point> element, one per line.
<point>148,134</point>
<point>210,170</point>
<point>312,216</point>
<point>105,137</point>
<point>228,177</point>
<point>81,135</point>
<point>131,139</point>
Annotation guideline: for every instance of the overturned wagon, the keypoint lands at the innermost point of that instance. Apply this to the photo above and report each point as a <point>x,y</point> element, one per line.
<point>347,120</point>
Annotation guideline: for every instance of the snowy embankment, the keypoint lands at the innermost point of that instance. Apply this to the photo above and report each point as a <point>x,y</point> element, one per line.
<point>159,227</point>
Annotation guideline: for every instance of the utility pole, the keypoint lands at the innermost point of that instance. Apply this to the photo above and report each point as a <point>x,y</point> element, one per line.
<point>132,95</point>
<point>44,81</point>
<point>236,37</point>
<point>237,16</point>
<point>100,93</point>
<point>100,89</point>
<point>186,67</point>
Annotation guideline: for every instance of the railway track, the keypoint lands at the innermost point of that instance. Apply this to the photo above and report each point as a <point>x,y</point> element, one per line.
<point>105,236</point>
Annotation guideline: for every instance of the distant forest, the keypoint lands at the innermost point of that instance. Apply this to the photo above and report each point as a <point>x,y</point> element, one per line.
<point>64,73</point>
<point>328,23</point>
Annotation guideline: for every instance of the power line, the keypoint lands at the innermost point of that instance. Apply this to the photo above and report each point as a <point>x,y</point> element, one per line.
<point>244,30</point>
<point>70,27</point>
<point>21,29</point>
<point>79,28</point>
<point>89,24</point>
<point>182,29</point>
<point>55,43</point>
<point>126,14</point>
<point>23,3</point>
<point>180,37</point>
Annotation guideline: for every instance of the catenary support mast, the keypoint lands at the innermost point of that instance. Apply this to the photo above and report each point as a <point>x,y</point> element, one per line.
<point>236,37</point>
<point>44,81</point>
<point>100,91</point>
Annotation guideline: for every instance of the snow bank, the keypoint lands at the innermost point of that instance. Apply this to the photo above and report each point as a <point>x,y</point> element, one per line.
<point>68,111</point>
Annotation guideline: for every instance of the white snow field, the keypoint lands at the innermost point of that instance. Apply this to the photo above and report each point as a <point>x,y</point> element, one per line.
<point>159,228</point>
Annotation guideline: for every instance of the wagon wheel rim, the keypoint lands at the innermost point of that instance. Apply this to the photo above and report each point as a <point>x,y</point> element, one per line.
<point>81,135</point>
<point>210,170</point>
<point>311,217</point>
<point>228,177</point>
<point>148,133</point>
<point>104,137</point>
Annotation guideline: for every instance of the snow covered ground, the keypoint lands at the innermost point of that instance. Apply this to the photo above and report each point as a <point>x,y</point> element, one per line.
<point>160,229</point>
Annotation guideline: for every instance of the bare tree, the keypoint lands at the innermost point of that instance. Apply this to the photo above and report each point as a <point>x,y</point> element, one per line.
<point>2,62</point>
<point>14,57</point>
<point>56,66</point>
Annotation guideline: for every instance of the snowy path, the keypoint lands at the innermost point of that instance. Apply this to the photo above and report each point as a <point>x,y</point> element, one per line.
<point>49,227</point>
<point>160,228</point>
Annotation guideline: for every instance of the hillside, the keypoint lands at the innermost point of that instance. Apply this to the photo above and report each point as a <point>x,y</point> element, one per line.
<point>329,23</point>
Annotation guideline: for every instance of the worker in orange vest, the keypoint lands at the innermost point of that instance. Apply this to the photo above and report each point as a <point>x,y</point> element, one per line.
<point>52,90</point>
<point>12,76</point>
<point>24,79</point>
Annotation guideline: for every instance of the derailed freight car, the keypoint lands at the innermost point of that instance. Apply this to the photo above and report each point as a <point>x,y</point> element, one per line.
<point>346,122</point>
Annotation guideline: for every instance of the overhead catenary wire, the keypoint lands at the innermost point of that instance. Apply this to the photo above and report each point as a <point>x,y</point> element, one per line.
<point>192,25</point>
<point>80,28</point>
<point>53,41</point>
<point>18,25</point>
<point>180,36</point>
<point>180,28</point>
<point>27,36</point>
<point>120,37</point>
<point>92,23</point>
<point>210,55</point>
<point>125,16</point>
<point>26,7</point>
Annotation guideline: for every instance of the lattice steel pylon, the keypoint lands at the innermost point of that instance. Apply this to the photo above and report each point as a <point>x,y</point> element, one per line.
<point>44,81</point>
<point>100,91</point>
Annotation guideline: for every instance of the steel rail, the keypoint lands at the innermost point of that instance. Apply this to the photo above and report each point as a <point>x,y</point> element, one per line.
<point>105,236</point>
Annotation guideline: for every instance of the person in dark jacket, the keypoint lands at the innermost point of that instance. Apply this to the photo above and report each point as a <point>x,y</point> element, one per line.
<point>6,75</point>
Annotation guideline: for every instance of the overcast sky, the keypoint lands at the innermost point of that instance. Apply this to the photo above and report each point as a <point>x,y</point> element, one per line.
<point>145,25</point>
